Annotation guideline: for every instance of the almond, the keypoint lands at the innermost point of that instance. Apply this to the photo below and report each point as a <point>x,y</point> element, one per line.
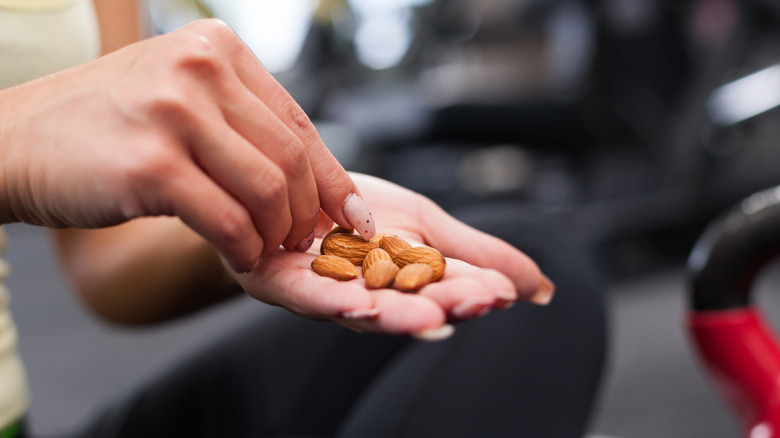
<point>377,237</point>
<point>413,276</point>
<point>381,273</point>
<point>349,246</point>
<point>375,255</point>
<point>422,254</point>
<point>393,244</point>
<point>341,230</point>
<point>334,267</point>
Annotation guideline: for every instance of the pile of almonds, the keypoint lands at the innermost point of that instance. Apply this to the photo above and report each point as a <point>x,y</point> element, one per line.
<point>387,260</point>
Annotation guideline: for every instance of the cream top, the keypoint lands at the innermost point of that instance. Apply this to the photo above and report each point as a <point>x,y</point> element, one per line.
<point>35,5</point>
<point>37,37</point>
<point>13,390</point>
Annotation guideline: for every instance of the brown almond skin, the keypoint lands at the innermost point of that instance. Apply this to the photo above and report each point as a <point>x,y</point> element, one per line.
<point>381,274</point>
<point>349,246</point>
<point>335,267</point>
<point>377,238</point>
<point>413,276</point>
<point>423,254</point>
<point>374,255</point>
<point>341,230</point>
<point>393,244</point>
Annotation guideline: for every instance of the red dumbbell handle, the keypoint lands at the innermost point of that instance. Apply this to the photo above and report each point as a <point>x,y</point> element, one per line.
<point>738,348</point>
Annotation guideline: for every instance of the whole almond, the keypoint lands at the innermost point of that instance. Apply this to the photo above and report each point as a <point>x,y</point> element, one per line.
<point>373,256</point>
<point>334,267</point>
<point>422,254</point>
<point>381,274</point>
<point>413,276</point>
<point>377,238</point>
<point>349,246</point>
<point>393,244</point>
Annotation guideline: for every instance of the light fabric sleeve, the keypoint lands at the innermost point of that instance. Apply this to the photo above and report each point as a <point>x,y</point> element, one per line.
<point>35,5</point>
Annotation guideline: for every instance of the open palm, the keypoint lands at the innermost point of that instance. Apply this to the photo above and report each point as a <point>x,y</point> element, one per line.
<point>483,273</point>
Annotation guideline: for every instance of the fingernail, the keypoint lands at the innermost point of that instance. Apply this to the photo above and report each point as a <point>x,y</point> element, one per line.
<point>435,334</point>
<point>471,308</point>
<point>323,228</point>
<point>508,295</point>
<point>545,293</point>
<point>324,224</point>
<point>358,215</point>
<point>305,243</point>
<point>360,314</point>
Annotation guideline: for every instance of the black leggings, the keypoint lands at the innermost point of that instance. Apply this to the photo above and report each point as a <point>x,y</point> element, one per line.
<point>524,372</point>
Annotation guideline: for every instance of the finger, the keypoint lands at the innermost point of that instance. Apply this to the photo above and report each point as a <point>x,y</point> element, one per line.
<point>338,195</point>
<point>457,240</point>
<point>248,175</point>
<point>467,291</point>
<point>222,221</point>
<point>440,229</point>
<point>401,313</point>
<point>275,140</point>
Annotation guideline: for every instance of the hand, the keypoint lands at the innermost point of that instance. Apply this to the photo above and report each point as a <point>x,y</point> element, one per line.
<point>474,282</point>
<point>187,124</point>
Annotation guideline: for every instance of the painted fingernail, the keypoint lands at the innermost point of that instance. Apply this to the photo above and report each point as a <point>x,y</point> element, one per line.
<point>360,314</point>
<point>545,293</point>
<point>507,295</point>
<point>305,243</point>
<point>435,334</point>
<point>323,228</point>
<point>358,215</point>
<point>471,308</point>
<point>324,224</point>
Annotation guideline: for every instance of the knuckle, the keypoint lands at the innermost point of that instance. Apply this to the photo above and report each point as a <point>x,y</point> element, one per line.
<point>300,123</point>
<point>168,105</point>
<point>273,191</point>
<point>331,177</point>
<point>211,26</point>
<point>197,54</point>
<point>293,159</point>
<point>148,168</point>
<point>233,225</point>
<point>219,35</point>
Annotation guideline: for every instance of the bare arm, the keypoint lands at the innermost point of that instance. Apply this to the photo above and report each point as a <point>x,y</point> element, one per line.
<point>145,271</point>
<point>120,23</point>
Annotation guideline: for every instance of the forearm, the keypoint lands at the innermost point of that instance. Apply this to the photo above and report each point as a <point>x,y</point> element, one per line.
<point>120,23</point>
<point>145,271</point>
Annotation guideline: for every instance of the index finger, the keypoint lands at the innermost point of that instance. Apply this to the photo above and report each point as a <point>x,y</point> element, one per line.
<point>338,194</point>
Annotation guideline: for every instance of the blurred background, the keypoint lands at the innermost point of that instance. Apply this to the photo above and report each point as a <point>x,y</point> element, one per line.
<point>632,123</point>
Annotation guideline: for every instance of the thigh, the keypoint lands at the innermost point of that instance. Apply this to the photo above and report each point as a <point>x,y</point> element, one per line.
<point>524,372</point>
<point>277,376</point>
